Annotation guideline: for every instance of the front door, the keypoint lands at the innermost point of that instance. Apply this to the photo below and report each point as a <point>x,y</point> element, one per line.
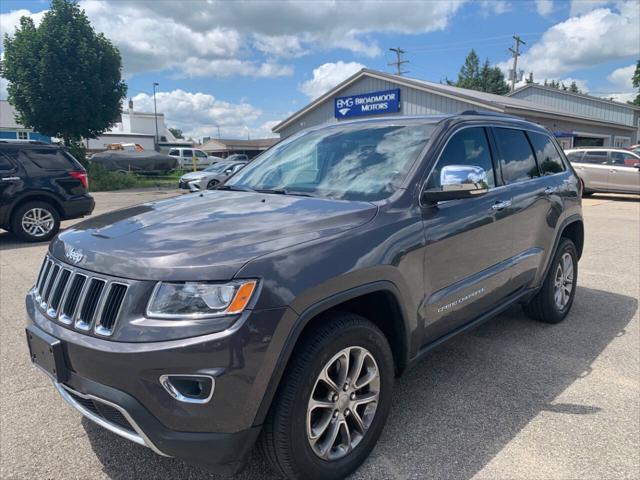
<point>469,242</point>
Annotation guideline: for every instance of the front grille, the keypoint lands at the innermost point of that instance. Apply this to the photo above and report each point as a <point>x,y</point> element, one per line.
<point>103,410</point>
<point>77,299</point>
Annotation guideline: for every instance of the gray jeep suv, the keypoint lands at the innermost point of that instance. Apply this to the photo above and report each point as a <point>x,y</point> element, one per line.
<point>279,308</point>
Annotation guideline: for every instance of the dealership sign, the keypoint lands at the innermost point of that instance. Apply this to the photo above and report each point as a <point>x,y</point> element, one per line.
<point>374,103</point>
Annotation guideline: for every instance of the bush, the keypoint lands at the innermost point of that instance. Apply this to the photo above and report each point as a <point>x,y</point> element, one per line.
<point>79,152</point>
<point>104,180</point>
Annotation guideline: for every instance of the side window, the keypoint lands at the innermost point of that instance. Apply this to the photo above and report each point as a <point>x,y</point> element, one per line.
<point>598,157</point>
<point>174,152</point>
<point>201,154</point>
<point>467,147</point>
<point>6,165</point>
<point>575,156</point>
<point>548,157</point>
<point>187,153</point>
<point>623,159</point>
<point>516,157</point>
<point>50,159</point>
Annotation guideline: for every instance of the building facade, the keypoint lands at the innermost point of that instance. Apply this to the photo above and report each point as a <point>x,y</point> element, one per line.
<point>10,129</point>
<point>225,147</point>
<point>372,93</point>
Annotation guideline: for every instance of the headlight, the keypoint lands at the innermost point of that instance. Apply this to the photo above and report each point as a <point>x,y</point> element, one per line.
<point>199,300</point>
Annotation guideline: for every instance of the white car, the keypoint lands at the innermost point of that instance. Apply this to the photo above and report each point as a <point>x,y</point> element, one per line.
<point>210,177</point>
<point>602,169</point>
<point>185,158</point>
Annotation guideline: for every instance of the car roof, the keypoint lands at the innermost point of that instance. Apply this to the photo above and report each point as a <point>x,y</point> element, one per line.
<point>601,149</point>
<point>467,115</point>
<point>27,144</point>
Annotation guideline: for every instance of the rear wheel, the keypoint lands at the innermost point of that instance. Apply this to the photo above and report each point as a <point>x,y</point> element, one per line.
<point>333,402</point>
<point>35,221</point>
<point>553,302</point>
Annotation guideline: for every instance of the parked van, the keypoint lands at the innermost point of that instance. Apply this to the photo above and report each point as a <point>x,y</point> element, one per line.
<point>185,158</point>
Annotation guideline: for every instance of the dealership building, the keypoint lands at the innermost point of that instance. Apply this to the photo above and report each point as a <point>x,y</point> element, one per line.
<point>575,119</point>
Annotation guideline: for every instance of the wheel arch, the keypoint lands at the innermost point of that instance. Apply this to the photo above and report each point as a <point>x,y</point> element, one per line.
<point>36,197</point>
<point>374,301</point>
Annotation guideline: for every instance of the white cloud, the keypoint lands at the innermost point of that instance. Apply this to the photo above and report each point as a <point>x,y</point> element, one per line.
<point>327,76</point>
<point>578,7</point>
<point>495,7</point>
<point>621,77</point>
<point>623,97</point>
<point>3,88</point>
<point>200,114</point>
<point>544,7</point>
<point>10,20</point>
<point>599,36</point>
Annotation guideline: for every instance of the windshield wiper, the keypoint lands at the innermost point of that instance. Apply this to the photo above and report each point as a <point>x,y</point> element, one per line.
<point>235,188</point>
<point>283,191</point>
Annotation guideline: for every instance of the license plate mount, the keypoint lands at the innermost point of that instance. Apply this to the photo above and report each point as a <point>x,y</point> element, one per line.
<point>46,353</point>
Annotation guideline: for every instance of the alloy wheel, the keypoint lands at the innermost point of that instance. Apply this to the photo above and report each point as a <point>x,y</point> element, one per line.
<point>563,283</point>
<point>37,222</point>
<point>343,403</point>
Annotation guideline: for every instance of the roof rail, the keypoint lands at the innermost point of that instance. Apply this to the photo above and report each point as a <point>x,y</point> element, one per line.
<point>484,113</point>
<point>23,142</point>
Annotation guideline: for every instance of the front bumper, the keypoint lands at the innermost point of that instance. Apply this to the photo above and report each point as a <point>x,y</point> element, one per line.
<point>125,378</point>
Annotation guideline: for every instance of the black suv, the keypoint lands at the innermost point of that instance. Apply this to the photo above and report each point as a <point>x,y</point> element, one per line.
<point>280,308</point>
<point>40,184</point>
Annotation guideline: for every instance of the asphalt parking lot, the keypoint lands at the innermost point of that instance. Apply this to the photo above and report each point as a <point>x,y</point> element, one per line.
<point>513,399</point>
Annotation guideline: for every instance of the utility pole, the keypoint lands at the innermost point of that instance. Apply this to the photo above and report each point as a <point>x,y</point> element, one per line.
<point>399,62</point>
<point>515,53</point>
<point>155,111</point>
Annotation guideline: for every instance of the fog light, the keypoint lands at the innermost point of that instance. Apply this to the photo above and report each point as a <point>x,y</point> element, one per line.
<point>189,388</point>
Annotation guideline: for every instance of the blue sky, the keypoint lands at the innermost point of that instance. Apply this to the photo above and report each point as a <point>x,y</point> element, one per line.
<point>243,66</point>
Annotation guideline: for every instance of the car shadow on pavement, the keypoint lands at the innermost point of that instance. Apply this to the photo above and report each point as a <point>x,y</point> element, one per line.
<point>458,407</point>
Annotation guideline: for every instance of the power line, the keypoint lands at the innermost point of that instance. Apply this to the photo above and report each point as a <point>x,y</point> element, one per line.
<point>399,61</point>
<point>472,42</point>
<point>515,53</point>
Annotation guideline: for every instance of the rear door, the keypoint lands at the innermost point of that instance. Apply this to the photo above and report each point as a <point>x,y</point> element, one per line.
<point>623,176</point>
<point>469,241</point>
<point>593,169</point>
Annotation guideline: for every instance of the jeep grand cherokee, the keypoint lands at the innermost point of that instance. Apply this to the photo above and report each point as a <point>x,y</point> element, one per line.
<point>278,309</point>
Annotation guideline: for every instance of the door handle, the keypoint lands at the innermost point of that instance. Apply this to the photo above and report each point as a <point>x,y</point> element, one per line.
<point>550,190</point>
<point>501,205</point>
<point>9,179</point>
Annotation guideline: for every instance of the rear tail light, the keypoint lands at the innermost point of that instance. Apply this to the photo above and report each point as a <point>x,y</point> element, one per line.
<point>82,176</point>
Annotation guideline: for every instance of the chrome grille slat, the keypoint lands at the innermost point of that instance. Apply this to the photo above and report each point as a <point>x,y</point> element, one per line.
<point>83,301</point>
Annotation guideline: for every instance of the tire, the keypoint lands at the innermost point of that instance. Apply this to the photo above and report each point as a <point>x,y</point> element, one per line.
<point>544,306</point>
<point>45,212</point>
<point>285,443</point>
<point>212,184</point>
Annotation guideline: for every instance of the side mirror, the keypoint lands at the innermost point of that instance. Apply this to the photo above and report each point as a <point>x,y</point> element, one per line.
<point>457,182</point>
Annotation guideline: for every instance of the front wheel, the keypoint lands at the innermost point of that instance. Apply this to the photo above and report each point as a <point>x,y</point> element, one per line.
<point>212,184</point>
<point>553,302</point>
<point>333,402</point>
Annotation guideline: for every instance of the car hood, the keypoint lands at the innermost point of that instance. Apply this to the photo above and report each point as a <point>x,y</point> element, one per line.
<point>189,177</point>
<point>203,236</point>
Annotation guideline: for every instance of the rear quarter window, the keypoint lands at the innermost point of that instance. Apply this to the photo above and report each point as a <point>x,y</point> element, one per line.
<point>6,165</point>
<point>52,159</point>
<point>174,152</point>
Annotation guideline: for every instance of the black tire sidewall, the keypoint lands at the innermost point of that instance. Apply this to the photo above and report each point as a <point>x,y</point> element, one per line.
<point>16,222</point>
<point>212,184</point>
<point>566,246</point>
<point>308,464</point>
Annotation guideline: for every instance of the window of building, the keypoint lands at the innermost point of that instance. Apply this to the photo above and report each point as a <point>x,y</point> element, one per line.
<point>23,136</point>
<point>547,154</point>
<point>467,147</point>
<point>516,157</point>
<point>621,142</point>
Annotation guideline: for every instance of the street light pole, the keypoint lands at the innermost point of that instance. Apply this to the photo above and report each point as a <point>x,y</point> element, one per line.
<point>155,111</point>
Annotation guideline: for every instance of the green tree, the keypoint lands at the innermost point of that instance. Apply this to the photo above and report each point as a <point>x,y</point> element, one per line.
<point>176,132</point>
<point>529,79</point>
<point>485,79</point>
<point>64,80</point>
<point>635,80</point>
<point>573,88</point>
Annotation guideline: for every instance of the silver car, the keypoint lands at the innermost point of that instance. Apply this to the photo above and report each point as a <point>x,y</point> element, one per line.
<point>210,177</point>
<point>612,170</point>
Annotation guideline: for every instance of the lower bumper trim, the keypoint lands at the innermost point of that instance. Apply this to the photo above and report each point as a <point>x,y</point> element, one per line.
<point>137,436</point>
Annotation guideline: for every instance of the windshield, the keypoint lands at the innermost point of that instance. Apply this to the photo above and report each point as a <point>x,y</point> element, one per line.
<point>360,162</point>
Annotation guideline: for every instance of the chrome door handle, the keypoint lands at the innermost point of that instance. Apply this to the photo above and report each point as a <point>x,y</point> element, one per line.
<point>550,190</point>
<point>501,205</point>
<point>9,179</point>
